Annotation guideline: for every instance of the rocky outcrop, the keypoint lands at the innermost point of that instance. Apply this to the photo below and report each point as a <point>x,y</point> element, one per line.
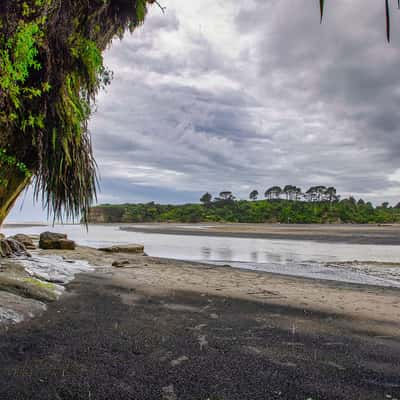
<point>56,241</point>
<point>25,240</point>
<point>106,214</point>
<point>14,279</point>
<point>127,248</point>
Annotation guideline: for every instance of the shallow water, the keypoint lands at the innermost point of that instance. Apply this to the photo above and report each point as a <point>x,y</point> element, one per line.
<point>357,263</point>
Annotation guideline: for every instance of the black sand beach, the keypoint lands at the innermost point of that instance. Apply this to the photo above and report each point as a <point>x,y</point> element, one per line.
<point>152,331</point>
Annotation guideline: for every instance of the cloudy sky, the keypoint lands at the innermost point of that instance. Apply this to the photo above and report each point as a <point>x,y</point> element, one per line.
<point>240,95</point>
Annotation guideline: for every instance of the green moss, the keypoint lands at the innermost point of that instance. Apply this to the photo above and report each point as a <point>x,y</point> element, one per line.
<point>40,284</point>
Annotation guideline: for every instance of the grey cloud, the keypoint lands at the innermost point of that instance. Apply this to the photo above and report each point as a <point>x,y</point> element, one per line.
<point>282,100</point>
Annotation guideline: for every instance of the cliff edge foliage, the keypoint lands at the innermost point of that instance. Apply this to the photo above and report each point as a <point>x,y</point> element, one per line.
<point>51,69</point>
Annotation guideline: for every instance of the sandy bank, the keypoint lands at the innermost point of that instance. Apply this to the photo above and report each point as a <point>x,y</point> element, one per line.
<point>360,234</point>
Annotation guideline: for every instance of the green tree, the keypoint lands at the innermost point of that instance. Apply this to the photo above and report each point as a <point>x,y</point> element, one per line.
<point>273,192</point>
<point>311,194</point>
<point>253,195</point>
<point>330,193</point>
<point>298,194</point>
<point>226,196</point>
<point>268,193</point>
<point>206,198</point>
<point>290,192</point>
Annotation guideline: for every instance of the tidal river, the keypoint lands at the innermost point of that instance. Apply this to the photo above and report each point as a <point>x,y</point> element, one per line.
<point>354,263</point>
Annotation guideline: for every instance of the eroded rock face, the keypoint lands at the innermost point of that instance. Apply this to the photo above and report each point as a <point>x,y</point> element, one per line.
<point>11,247</point>
<point>25,240</point>
<point>127,248</point>
<point>56,241</point>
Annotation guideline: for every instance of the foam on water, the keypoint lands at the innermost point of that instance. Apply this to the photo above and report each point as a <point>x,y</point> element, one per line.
<point>333,272</point>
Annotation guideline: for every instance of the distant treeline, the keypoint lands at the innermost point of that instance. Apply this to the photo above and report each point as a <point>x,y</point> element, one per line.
<point>317,205</point>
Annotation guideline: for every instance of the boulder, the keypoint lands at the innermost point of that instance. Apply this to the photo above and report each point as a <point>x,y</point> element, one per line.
<point>52,236</point>
<point>25,240</point>
<point>126,248</point>
<point>2,236</point>
<point>56,241</point>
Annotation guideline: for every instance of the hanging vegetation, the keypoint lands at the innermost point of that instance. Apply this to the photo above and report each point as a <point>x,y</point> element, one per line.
<point>51,69</point>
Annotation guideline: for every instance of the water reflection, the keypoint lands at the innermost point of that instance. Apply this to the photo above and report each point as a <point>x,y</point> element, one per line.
<point>254,256</point>
<point>272,257</point>
<point>292,257</point>
<point>224,253</point>
<point>205,253</point>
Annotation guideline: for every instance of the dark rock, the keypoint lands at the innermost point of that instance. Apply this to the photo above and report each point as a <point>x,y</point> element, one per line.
<point>61,244</point>
<point>52,236</point>
<point>56,241</point>
<point>25,240</point>
<point>120,263</point>
<point>127,248</point>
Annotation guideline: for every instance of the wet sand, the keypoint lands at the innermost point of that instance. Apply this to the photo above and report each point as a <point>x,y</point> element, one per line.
<point>164,329</point>
<point>339,233</point>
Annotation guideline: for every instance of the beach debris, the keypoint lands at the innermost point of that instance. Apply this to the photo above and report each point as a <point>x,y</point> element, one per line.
<point>335,365</point>
<point>55,241</point>
<point>198,327</point>
<point>202,341</point>
<point>124,248</point>
<point>25,240</point>
<point>179,361</point>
